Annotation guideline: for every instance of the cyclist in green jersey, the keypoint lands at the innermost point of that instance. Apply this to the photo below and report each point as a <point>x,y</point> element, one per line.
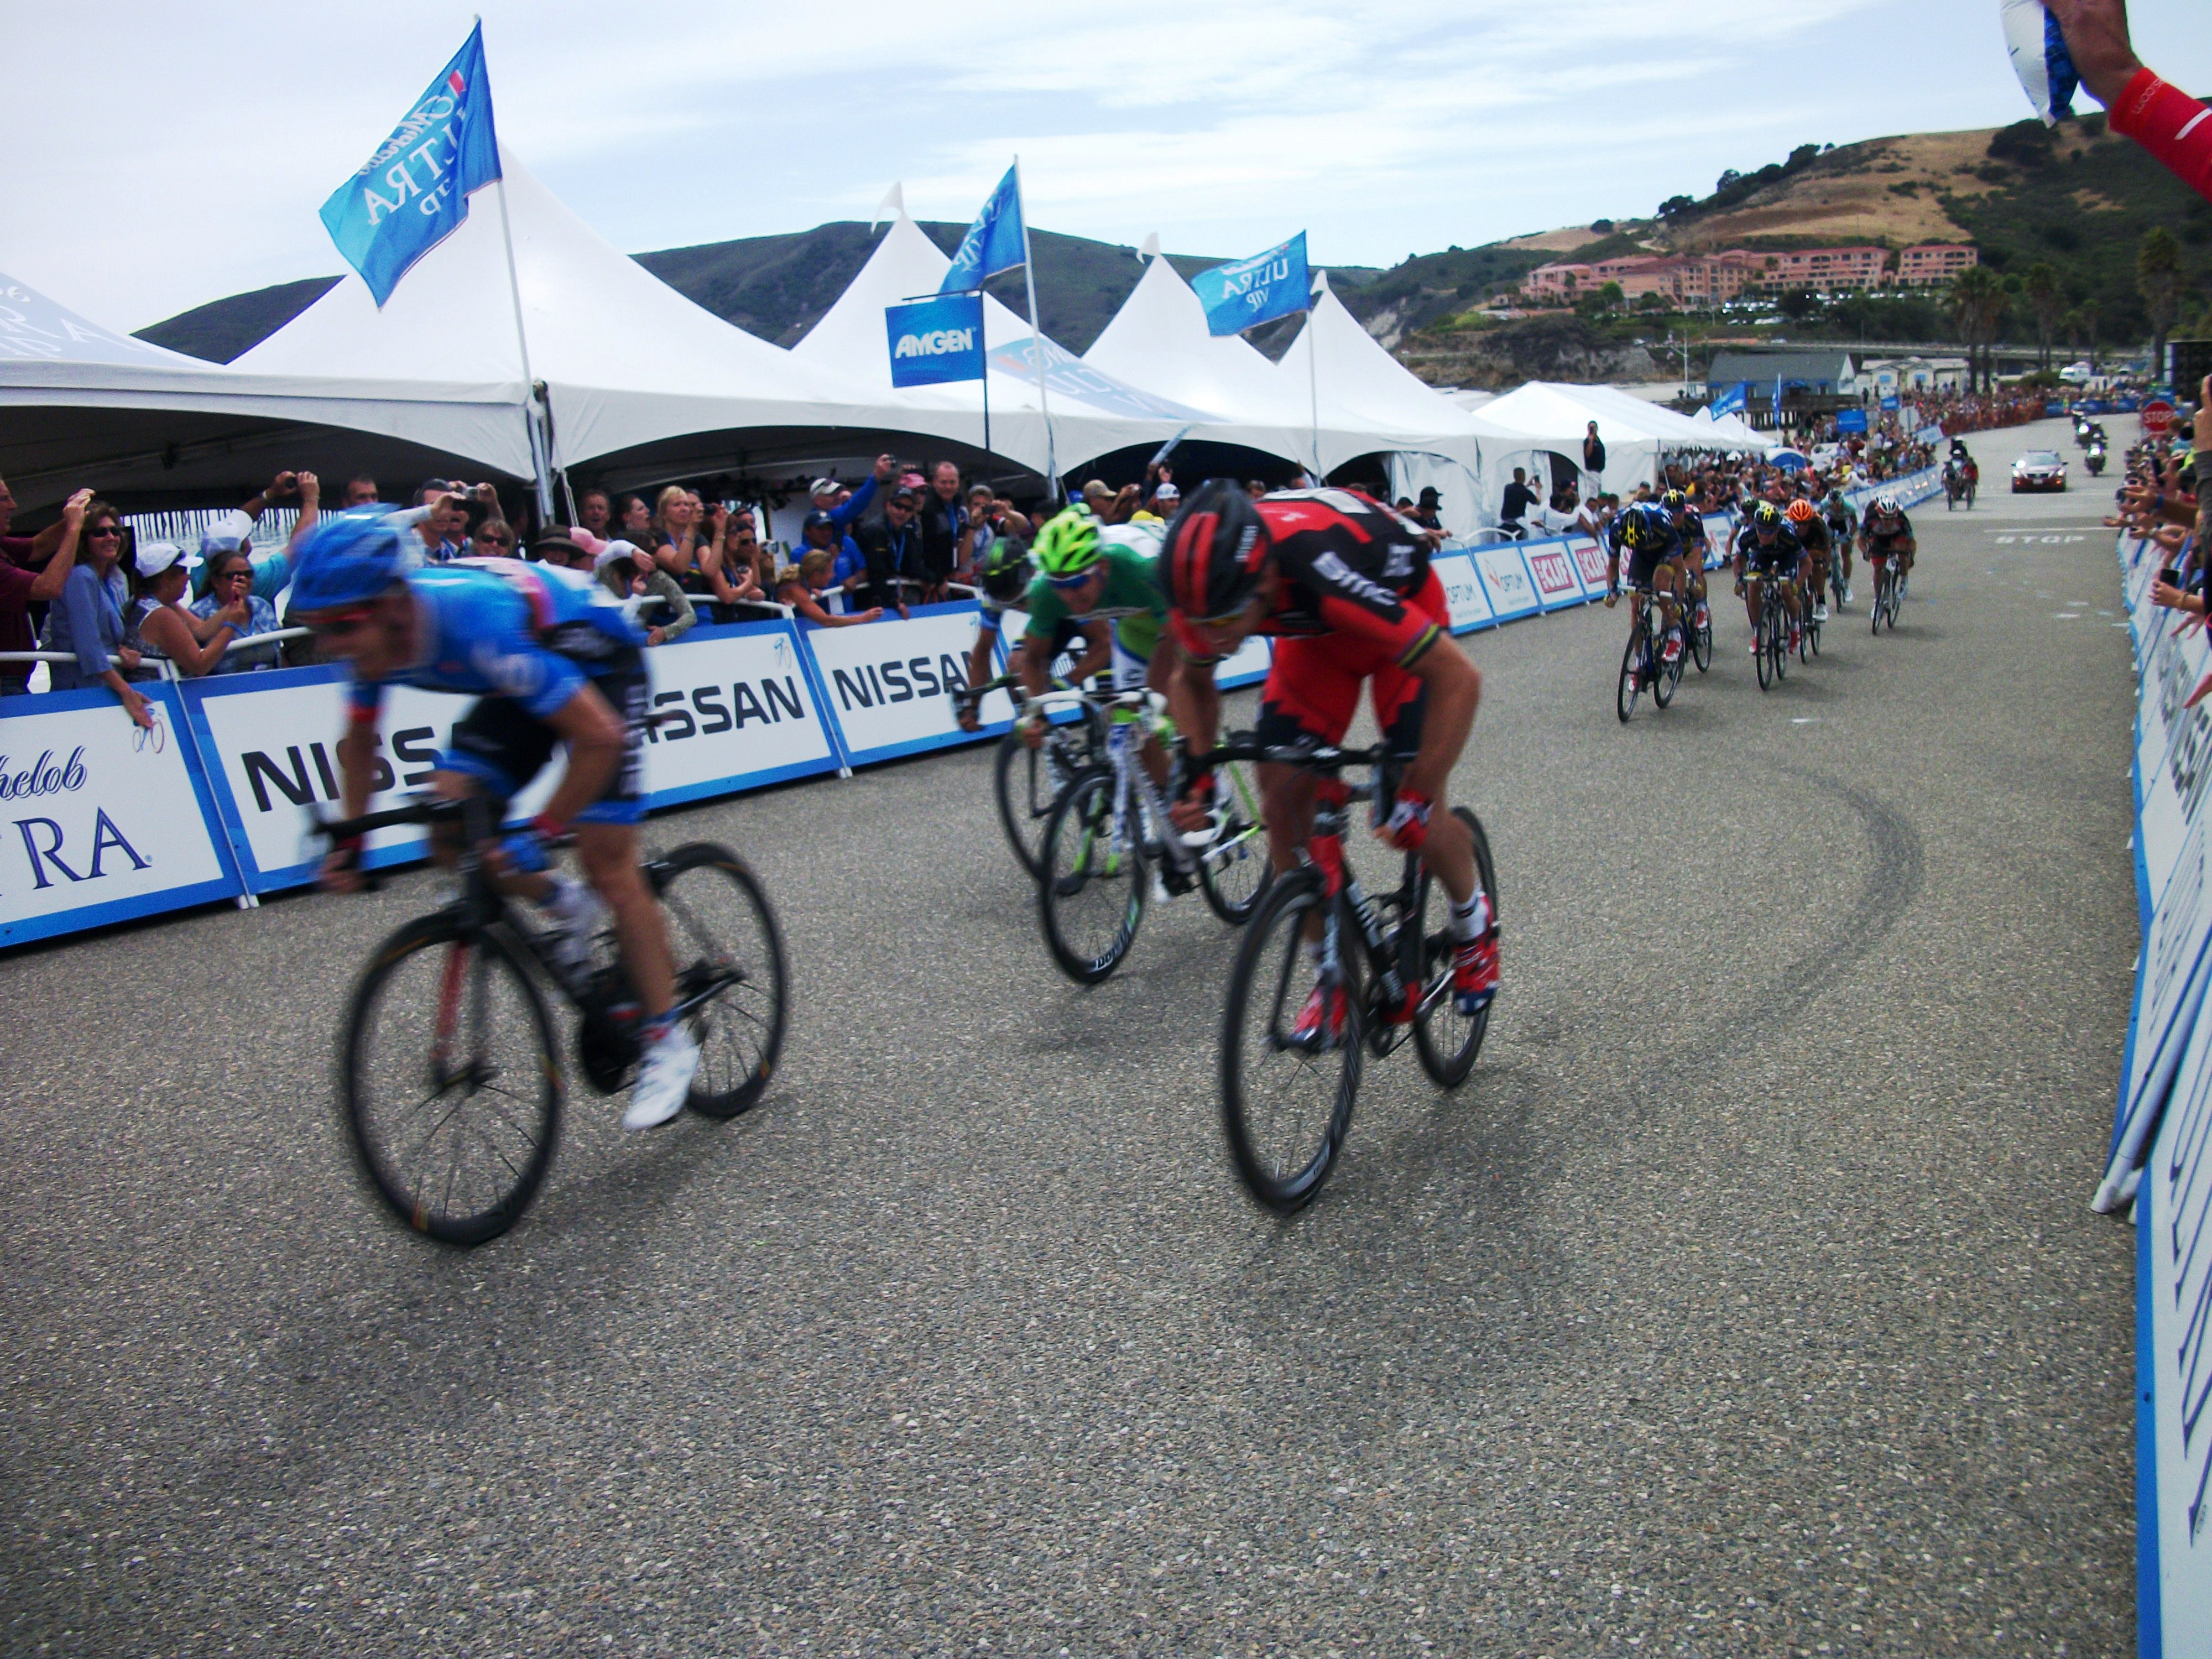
<point>1091,572</point>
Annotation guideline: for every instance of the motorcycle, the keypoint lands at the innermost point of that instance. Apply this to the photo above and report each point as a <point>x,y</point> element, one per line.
<point>2095,459</point>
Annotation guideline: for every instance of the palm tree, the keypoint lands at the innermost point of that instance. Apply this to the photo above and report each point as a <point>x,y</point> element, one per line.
<point>2158,277</point>
<point>1978,305</point>
<point>2088,311</point>
<point>2045,299</point>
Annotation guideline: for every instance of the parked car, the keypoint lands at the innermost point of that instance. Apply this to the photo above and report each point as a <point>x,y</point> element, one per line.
<point>2038,469</point>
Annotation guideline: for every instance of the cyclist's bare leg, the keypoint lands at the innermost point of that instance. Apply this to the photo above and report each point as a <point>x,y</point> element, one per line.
<point>609,855</point>
<point>979,673</point>
<point>1751,581</point>
<point>1448,853</point>
<point>446,842</point>
<point>1664,578</point>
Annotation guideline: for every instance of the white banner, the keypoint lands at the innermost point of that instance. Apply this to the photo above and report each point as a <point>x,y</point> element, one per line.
<point>738,713</point>
<point>1589,561</point>
<point>1505,581</point>
<point>1553,568</point>
<point>272,741</point>
<point>1463,592</point>
<point>2174,1220</point>
<point>888,683</point>
<point>103,819</point>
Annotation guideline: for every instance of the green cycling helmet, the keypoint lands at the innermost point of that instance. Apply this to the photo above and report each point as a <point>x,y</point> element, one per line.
<point>1006,570</point>
<point>1068,544</point>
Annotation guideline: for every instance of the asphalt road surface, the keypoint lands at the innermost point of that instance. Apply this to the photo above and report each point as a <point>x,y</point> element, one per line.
<point>1746,1300</point>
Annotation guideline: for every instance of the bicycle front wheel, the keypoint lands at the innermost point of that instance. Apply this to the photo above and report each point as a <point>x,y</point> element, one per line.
<point>730,974</point>
<point>451,1079</point>
<point>1234,871</point>
<point>1447,1040</point>
<point>1091,890</point>
<point>1764,655</point>
<point>1632,676</point>
<point>1291,1046</point>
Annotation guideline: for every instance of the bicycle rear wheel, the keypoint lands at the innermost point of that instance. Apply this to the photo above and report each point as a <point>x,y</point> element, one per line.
<point>728,952</point>
<point>1632,676</point>
<point>1234,871</point>
<point>1091,890</point>
<point>1286,1098</point>
<point>1447,1040</point>
<point>451,1079</point>
<point>1665,676</point>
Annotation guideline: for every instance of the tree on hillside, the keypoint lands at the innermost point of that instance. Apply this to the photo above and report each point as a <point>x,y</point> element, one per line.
<point>1978,306</point>
<point>2158,278</point>
<point>2045,299</point>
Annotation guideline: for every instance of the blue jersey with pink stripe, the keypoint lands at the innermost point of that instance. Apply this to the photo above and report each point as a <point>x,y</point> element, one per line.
<point>503,627</point>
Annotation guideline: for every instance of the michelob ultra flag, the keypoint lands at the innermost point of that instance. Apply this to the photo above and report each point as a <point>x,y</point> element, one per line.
<point>1246,293</point>
<point>994,243</point>
<point>2039,57</point>
<point>414,192</point>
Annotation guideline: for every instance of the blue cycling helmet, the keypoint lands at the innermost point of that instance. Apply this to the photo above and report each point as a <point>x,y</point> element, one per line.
<point>348,558</point>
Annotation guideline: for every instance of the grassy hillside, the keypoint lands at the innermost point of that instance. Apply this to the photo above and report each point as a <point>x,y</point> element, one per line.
<point>223,329</point>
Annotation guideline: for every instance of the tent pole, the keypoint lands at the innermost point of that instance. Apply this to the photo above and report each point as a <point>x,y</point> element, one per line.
<point>539,460</point>
<point>1313,390</point>
<point>1036,341</point>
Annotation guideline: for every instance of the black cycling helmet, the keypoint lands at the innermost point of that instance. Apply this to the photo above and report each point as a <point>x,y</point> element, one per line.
<point>1644,525</point>
<point>1216,546</point>
<point>1675,502</point>
<point>1006,570</point>
<point>1766,519</point>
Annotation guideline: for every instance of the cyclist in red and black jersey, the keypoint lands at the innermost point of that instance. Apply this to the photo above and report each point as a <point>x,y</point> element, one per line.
<point>1344,586</point>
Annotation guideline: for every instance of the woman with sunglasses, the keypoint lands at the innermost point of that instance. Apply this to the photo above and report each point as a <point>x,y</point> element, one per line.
<point>230,600</point>
<point>158,625</point>
<point>493,540</point>
<point>88,619</point>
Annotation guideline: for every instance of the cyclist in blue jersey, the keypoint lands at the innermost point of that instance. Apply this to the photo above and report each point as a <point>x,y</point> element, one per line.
<point>553,662</point>
<point>1766,551</point>
<point>1653,568</point>
<point>1690,554</point>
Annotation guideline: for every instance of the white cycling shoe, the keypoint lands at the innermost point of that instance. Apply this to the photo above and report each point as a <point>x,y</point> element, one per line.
<point>663,1081</point>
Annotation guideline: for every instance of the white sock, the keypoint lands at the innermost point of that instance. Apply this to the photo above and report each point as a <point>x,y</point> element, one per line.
<point>567,898</point>
<point>1471,919</point>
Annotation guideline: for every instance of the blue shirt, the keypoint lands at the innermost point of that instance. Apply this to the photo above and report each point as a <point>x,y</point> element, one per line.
<point>87,620</point>
<point>500,628</point>
<point>261,618</point>
<point>843,516</point>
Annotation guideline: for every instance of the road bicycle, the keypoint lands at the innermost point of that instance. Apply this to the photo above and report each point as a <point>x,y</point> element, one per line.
<point>1384,962</point>
<point>1808,632</point>
<point>1888,595</point>
<point>1643,665</point>
<point>1029,782</point>
<point>1772,636</point>
<point>450,1072</point>
<point>1698,629</point>
<point>1110,835</point>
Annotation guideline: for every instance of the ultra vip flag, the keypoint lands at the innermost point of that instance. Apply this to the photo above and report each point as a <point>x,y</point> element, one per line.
<point>2039,57</point>
<point>994,243</point>
<point>1246,293</point>
<point>414,192</point>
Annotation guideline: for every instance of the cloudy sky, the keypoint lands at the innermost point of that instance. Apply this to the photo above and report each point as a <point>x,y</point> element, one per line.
<point>159,156</point>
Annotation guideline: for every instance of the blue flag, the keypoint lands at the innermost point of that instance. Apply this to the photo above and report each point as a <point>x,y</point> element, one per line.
<point>1248,292</point>
<point>414,192</point>
<point>2039,57</point>
<point>935,340</point>
<point>994,243</point>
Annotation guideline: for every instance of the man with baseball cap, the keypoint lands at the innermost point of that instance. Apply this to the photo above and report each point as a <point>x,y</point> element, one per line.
<point>824,492</point>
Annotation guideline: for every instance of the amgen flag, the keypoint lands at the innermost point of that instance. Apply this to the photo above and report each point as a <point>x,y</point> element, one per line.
<point>937,340</point>
<point>414,192</point>
<point>1248,292</point>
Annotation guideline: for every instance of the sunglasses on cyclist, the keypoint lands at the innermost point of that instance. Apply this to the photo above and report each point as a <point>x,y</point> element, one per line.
<point>1076,580</point>
<point>343,624</point>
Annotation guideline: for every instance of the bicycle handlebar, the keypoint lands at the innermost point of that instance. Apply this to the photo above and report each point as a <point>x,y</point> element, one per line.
<point>1330,759</point>
<point>391,817</point>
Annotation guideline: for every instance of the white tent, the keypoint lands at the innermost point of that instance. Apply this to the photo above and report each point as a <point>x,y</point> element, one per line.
<point>1729,431</point>
<point>81,403</point>
<point>628,360</point>
<point>1092,412</point>
<point>1158,340</point>
<point>1361,399</point>
<point>1552,418</point>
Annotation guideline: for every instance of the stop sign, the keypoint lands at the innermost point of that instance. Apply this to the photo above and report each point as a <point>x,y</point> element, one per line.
<point>2157,416</point>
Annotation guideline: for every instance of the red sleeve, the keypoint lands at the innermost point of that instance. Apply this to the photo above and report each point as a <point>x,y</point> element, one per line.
<point>2171,126</point>
<point>14,590</point>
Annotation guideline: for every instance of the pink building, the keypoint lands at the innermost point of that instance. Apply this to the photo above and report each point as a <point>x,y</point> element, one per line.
<point>1926,264</point>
